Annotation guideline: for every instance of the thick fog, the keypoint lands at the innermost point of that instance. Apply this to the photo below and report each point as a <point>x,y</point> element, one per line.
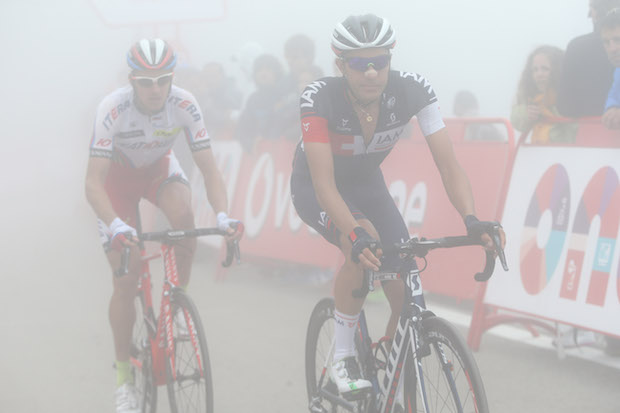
<point>59,58</point>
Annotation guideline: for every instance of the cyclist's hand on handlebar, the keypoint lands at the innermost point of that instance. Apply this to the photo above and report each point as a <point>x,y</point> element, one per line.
<point>480,229</point>
<point>123,235</point>
<point>362,249</point>
<point>233,227</point>
<point>489,245</point>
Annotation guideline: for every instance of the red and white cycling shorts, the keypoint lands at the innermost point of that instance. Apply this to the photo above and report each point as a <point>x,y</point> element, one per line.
<point>126,186</point>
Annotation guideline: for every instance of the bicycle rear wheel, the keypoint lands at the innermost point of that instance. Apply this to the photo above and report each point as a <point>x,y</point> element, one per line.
<point>449,377</point>
<point>188,370</point>
<point>142,357</point>
<point>322,392</point>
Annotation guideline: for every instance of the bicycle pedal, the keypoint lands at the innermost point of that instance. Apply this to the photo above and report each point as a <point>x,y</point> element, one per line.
<point>355,395</point>
<point>331,387</point>
<point>316,406</point>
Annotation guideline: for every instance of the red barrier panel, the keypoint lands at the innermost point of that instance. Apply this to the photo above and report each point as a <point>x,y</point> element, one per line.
<point>260,196</point>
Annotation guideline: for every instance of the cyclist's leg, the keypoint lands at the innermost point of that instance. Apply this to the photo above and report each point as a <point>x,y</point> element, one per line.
<point>344,370</point>
<point>379,207</point>
<point>124,187</point>
<point>121,309</point>
<point>173,196</point>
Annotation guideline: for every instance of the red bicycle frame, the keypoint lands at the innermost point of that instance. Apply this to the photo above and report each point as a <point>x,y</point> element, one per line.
<point>160,338</point>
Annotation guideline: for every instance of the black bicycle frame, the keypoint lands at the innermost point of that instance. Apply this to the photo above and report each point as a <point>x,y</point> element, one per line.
<point>406,339</point>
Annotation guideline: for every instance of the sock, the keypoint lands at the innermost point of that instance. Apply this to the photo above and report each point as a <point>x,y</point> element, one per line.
<point>124,373</point>
<point>346,325</point>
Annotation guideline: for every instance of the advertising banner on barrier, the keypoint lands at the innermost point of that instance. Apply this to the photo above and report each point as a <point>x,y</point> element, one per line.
<point>259,195</point>
<point>561,217</point>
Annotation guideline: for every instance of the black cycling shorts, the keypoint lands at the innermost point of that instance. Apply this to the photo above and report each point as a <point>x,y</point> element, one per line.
<point>369,199</point>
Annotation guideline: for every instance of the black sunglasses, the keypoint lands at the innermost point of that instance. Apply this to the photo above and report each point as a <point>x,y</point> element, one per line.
<point>145,81</point>
<point>362,64</point>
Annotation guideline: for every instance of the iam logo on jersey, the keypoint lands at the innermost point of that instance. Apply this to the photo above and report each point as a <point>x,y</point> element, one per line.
<point>306,126</point>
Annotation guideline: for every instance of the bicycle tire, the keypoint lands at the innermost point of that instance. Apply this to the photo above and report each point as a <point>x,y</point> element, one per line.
<point>455,386</point>
<point>142,358</point>
<point>319,338</point>
<point>190,389</point>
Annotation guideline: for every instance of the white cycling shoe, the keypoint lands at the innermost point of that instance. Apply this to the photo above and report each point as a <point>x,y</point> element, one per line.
<point>127,399</point>
<point>345,373</point>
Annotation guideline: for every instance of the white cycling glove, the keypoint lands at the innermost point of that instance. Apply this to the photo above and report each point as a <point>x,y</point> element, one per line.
<point>119,228</point>
<point>224,223</point>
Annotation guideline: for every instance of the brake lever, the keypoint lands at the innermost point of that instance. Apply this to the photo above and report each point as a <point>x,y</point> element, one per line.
<point>237,251</point>
<point>489,266</point>
<point>232,247</point>
<point>500,251</point>
<point>230,253</point>
<point>123,269</point>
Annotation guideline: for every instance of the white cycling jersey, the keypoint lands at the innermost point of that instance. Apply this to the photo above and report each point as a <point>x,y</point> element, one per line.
<point>126,135</point>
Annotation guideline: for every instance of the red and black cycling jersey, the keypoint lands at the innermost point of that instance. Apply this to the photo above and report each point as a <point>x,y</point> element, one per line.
<point>327,115</point>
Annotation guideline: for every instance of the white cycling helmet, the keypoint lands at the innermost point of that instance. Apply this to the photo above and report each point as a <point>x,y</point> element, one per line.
<point>151,54</point>
<point>362,32</point>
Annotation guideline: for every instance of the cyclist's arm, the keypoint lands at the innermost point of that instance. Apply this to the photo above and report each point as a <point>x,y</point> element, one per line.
<point>321,165</point>
<point>454,179</point>
<point>96,174</point>
<point>214,183</point>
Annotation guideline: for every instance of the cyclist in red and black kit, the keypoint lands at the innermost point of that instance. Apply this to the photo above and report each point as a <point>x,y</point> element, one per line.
<point>131,158</point>
<point>349,125</point>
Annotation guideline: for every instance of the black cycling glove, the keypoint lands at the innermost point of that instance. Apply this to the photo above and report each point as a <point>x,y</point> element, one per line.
<point>475,228</point>
<point>360,239</point>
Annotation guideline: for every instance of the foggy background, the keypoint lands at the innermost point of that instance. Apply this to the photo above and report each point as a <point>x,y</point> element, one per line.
<point>59,58</point>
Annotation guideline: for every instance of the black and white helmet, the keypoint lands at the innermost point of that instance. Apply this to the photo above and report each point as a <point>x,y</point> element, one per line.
<point>151,54</point>
<point>362,32</point>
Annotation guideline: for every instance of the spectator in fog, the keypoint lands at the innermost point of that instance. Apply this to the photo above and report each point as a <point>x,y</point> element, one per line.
<point>610,33</point>
<point>216,93</point>
<point>243,66</point>
<point>537,97</point>
<point>299,55</point>
<point>587,74</point>
<point>220,99</point>
<point>466,106</point>
<point>186,77</point>
<point>287,121</point>
<point>257,119</point>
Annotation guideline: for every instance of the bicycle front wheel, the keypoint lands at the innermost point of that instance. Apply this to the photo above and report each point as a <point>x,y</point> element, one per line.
<point>188,369</point>
<point>447,379</point>
<point>323,394</point>
<point>142,357</point>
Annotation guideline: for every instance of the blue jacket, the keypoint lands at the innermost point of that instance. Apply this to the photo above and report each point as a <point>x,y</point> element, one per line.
<point>613,98</point>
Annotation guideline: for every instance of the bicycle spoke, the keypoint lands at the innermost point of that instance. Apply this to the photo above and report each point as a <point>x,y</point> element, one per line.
<point>190,390</point>
<point>449,378</point>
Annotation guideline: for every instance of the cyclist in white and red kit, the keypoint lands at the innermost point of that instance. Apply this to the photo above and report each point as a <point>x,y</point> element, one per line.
<point>131,158</point>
